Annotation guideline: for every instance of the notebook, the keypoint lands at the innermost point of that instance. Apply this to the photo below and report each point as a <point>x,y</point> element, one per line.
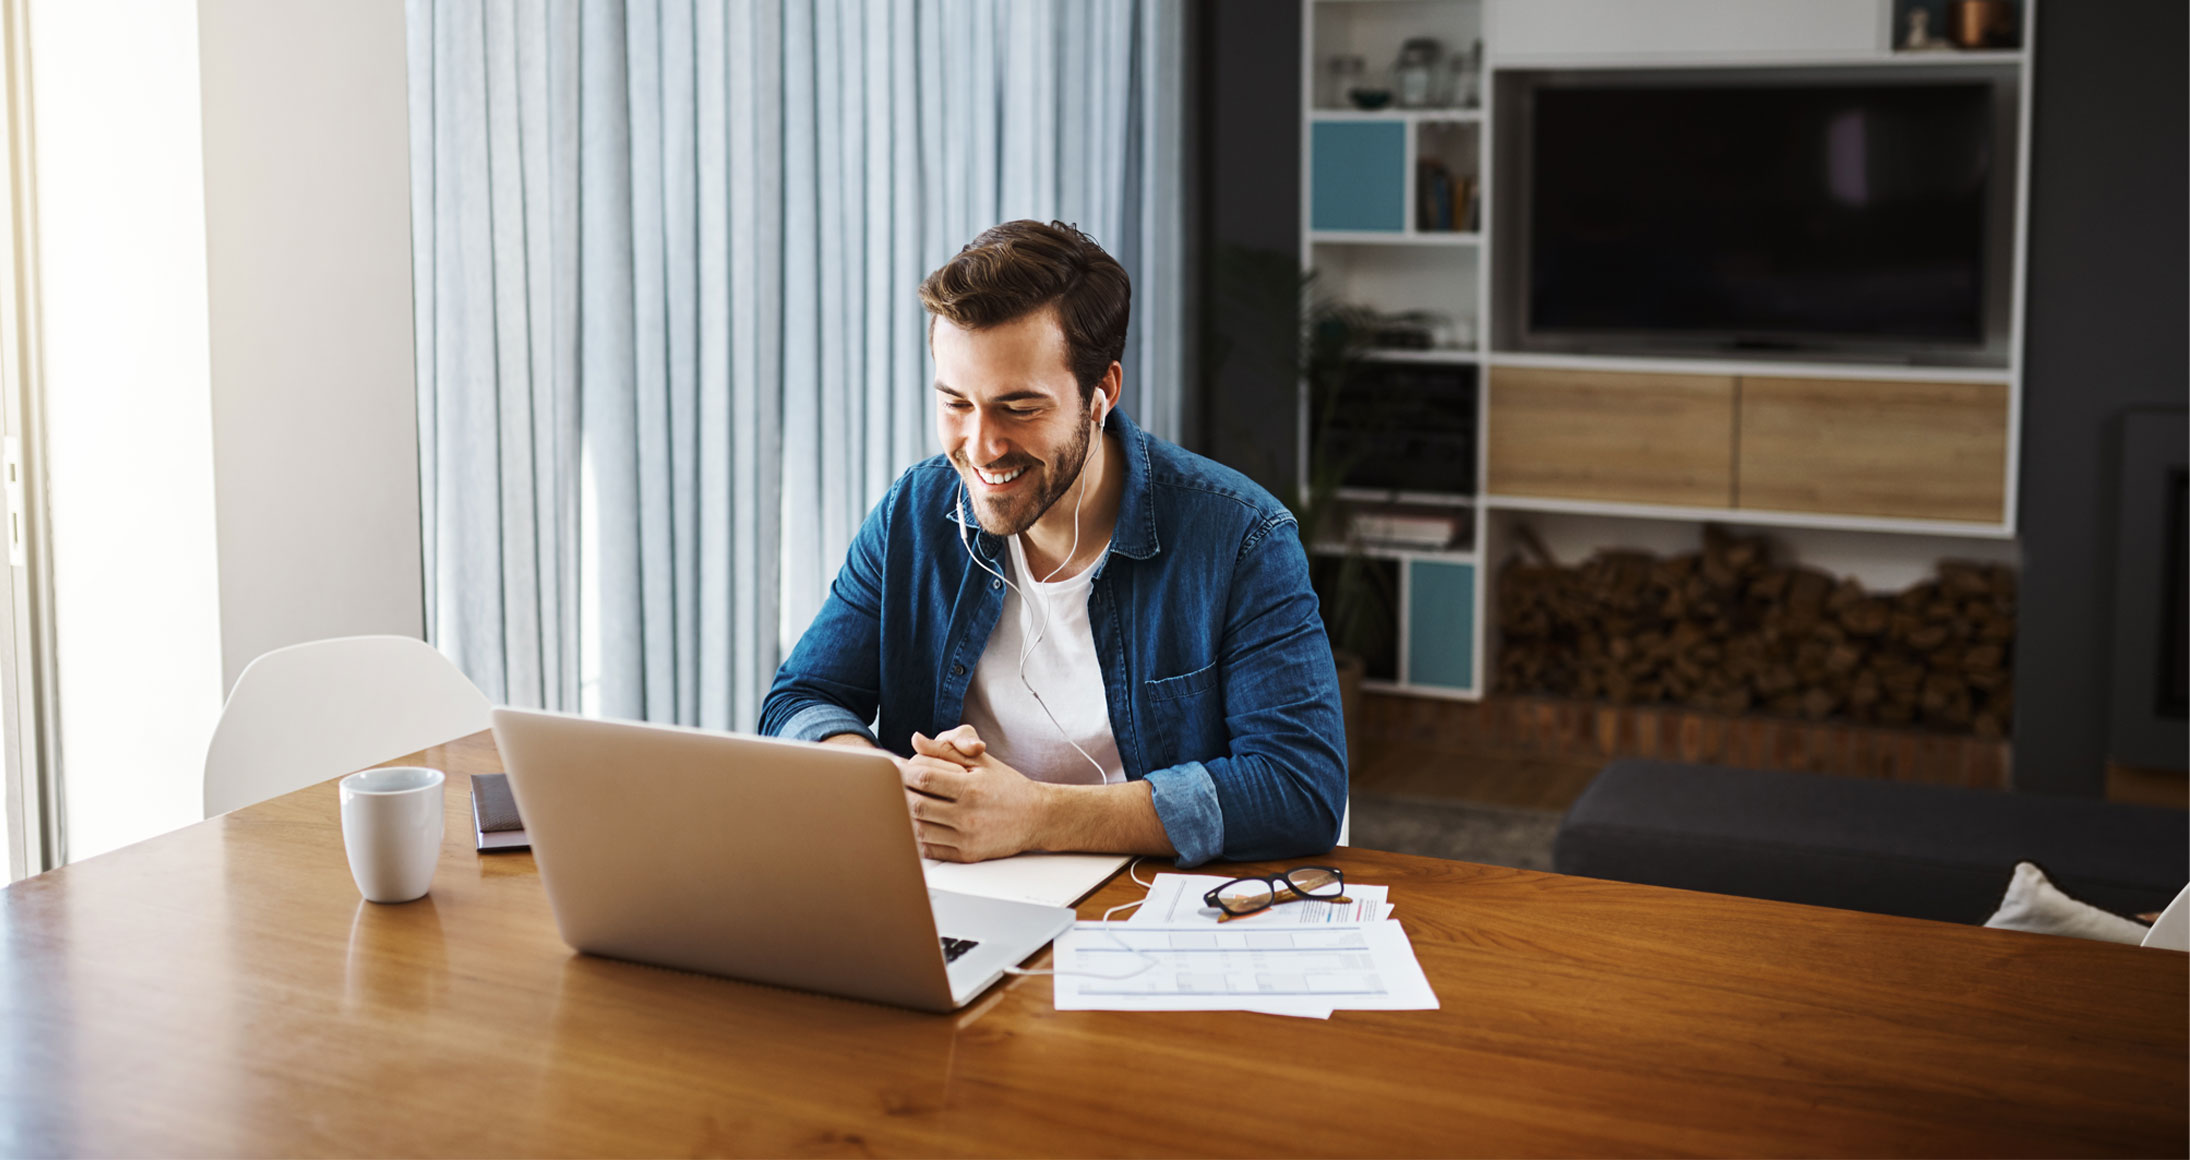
<point>494,815</point>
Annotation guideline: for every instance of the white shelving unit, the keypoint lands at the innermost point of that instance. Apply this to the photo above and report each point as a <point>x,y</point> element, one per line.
<point>1794,369</point>
<point>1405,116</point>
<point>1400,496</point>
<point>1399,266</point>
<point>1406,237</point>
<point>1398,552</point>
<point>1435,355</point>
<point>1393,266</point>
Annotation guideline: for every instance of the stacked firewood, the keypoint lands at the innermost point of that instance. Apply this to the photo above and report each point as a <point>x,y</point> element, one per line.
<point>1728,631</point>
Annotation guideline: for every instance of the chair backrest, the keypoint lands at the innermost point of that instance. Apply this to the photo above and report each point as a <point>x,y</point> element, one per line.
<point>305,713</point>
<point>2172,931</point>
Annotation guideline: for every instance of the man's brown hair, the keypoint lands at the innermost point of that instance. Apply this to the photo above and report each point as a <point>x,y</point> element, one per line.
<point>1012,270</point>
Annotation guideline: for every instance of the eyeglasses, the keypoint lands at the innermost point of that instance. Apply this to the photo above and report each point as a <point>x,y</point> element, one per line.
<point>1244,896</point>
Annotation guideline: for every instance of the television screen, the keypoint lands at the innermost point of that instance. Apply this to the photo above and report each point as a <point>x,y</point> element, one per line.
<point>1773,214</point>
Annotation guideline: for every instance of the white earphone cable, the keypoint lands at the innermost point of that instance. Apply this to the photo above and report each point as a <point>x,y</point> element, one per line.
<point>1147,960</point>
<point>1041,605</point>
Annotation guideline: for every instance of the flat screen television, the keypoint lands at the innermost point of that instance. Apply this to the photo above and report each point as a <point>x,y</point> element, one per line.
<point>1850,214</point>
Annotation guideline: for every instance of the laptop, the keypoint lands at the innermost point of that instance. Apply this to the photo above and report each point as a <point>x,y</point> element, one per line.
<point>755,858</point>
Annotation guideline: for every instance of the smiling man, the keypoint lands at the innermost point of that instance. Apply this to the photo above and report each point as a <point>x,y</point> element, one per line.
<point>1073,635</point>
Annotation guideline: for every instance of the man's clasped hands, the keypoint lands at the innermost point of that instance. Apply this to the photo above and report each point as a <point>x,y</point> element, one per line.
<point>969,806</point>
<point>966,805</point>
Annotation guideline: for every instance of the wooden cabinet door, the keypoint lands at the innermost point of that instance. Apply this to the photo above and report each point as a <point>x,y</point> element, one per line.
<point>1857,447</point>
<point>1612,436</point>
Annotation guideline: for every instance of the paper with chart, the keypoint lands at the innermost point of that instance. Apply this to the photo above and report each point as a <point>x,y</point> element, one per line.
<point>1042,879</point>
<point>1176,900</point>
<point>1285,970</point>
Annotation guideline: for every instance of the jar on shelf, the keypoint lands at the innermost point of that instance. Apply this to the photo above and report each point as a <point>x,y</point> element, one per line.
<point>1414,74</point>
<point>1463,332</point>
<point>1461,79</point>
<point>1342,75</point>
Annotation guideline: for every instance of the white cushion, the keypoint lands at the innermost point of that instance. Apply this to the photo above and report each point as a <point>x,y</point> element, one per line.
<point>2035,904</point>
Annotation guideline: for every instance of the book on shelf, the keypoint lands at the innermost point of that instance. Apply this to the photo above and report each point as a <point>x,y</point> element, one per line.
<point>1444,202</point>
<point>1404,531</point>
<point>1433,203</point>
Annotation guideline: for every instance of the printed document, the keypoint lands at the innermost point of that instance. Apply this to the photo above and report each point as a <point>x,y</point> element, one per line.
<point>1175,900</point>
<point>1282,970</point>
<point>1042,879</point>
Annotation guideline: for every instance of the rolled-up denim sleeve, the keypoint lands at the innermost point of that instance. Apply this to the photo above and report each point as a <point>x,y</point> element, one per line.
<point>1186,804</point>
<point>832,681</point>
<point>821,721</point>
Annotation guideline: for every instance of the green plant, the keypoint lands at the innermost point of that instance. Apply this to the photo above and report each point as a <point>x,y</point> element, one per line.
<point>1278,320</point>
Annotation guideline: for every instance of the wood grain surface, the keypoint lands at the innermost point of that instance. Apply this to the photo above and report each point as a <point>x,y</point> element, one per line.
<point>223,990</point>
<point>1866,448</point>
<point>1613,436</point>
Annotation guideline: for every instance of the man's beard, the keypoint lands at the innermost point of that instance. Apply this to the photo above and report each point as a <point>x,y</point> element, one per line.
<point>1009,517</point>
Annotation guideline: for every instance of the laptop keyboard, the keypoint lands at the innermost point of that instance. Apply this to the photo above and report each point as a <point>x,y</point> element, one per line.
<point>954,947</point>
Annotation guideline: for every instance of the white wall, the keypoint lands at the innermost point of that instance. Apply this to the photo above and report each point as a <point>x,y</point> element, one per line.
<point>121,233</point>
<point>307,222</point>
<point>225,284</point>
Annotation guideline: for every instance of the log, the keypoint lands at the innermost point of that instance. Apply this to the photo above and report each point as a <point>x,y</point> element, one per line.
<point>1727,629</point>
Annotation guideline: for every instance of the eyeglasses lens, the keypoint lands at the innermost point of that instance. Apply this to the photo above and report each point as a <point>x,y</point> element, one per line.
<point>1315,882</point>
<point>1241,897</point>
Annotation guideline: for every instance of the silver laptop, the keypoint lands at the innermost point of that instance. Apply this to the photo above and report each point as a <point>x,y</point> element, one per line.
<point>774,861</point>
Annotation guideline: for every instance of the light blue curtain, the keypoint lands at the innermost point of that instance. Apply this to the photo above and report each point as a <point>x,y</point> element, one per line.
<point>665,254</point>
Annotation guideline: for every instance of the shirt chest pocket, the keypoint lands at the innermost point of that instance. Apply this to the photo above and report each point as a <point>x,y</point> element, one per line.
<point>1187,715</point>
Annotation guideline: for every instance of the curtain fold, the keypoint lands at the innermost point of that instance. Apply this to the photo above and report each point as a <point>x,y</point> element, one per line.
<point>665,254</point>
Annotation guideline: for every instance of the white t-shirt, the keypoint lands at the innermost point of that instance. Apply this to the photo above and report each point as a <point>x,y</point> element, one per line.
<point>1062,668</point>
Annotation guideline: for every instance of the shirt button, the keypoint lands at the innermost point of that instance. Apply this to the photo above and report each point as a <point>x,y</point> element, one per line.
<point>958,670</point>
<point>996,584</point>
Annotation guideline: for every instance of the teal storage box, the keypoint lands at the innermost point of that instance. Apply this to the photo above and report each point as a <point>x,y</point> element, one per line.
<point>1359,178</point>
<point>1441,625</point>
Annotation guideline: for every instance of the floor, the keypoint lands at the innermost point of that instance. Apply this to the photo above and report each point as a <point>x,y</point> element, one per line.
<point>1460,831</point>
<point>1459,795</point>
<point>1488,782</point>
<point>2148,787</point>
<point>1424,770</point>
<point>1533,754</point>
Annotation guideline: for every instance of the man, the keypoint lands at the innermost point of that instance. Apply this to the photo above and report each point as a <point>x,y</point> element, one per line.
<point>1077,636</point>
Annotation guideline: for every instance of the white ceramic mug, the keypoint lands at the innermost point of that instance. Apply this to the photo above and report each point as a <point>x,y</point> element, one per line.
<point>391,827</point>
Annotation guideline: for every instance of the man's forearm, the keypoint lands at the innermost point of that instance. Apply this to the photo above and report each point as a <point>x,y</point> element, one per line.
<point>1106,819</point>
<point>861,741</point>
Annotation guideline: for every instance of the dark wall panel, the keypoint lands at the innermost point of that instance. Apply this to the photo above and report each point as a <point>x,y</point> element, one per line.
<point>2106,318</point>
<point>1248,59</point>
<point>2108,307</point>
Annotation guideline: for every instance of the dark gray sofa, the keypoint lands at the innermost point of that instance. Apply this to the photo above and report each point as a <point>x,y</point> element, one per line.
<point>1924,851</point>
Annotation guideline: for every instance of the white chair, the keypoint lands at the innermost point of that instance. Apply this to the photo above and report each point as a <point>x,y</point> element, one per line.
<point>2172,931</point>
<point>305,713</point>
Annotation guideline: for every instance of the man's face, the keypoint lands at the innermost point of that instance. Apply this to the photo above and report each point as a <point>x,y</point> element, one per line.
<point>1010,417</point>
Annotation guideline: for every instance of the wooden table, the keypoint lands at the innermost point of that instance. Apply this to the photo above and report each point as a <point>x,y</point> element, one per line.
<point>222,990</point>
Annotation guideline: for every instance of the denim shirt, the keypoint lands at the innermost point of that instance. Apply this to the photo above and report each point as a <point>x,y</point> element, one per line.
<point>1221,688</point>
